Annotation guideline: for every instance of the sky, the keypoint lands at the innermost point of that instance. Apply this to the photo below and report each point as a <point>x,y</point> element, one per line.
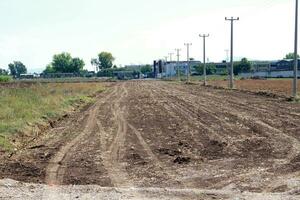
<point>140,31</point>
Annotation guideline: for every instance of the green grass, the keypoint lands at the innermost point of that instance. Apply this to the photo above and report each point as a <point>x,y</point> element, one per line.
<point>21,107</point>
<point>5,79</point>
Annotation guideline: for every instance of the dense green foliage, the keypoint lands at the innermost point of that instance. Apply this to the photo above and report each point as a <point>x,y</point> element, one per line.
<point>3,72</point>
<point>17,68</point>
<point>104,61</point>
<point>146,69</point>
<point>5,78</point>
<point>210,69</point>
<point>64,63</point>
<point>290,56</point>
<point>242,66</point>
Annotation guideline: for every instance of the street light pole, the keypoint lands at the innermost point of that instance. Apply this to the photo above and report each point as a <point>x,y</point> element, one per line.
<point>295,82</point>
<point>178,56</point>
<point>204,58</point>
<point>188,60</point>
<point>231,84</point>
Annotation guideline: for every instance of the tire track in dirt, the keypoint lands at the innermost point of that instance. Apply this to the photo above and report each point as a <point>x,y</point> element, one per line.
<point>55,170</point>
<point>112,154</point>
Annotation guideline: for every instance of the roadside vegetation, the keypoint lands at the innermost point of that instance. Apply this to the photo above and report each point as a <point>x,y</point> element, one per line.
<point>5,78</point>
<point>22,107</point>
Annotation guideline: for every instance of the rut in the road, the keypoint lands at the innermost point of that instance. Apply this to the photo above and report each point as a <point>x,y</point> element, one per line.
<point>56,168</point>
<point>111,154</point>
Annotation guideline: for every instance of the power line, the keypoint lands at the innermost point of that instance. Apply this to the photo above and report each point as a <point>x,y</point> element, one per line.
<point>295,82</point>
<point>227,54</point>
<point>204,57</point>
<point>231,83</point>
<point>171,54</point>
<point>178,58</point>
<point>188,60</point>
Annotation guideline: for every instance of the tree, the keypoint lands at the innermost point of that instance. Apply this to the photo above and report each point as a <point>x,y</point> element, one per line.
<point>210,69</point>
<point>242,66</point>
<point>3,72</point>
<point>104,61</point>
<point>49,69</point>
<point>146,69</point>
<point>64,63</point>
<point>17,68</point>
<point>77,65</point>
<point>290,56</point>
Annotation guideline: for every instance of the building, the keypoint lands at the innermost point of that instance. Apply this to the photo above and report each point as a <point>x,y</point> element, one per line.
<point>162,68</point>
<point>272,69</point>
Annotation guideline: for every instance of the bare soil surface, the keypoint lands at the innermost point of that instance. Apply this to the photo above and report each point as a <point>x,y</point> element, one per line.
<point>190,141</point>
<point>279,86</point>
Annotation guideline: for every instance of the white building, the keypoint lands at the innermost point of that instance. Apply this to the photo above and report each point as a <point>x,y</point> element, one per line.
<point>170,68</point>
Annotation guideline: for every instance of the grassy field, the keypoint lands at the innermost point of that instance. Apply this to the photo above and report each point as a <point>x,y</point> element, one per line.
<point>5,79</point>
<point>21,106</point>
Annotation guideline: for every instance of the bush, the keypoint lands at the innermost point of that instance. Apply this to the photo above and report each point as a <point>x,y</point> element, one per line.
<point>5,79</point>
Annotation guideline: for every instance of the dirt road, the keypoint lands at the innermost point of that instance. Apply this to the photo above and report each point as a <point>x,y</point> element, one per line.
<point>148,134</point>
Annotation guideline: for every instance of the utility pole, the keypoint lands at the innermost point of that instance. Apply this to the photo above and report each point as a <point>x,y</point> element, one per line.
<point>188,60</point>
<point>295,82</point>
<point>232,19</point>
<point>170,66</point>
<point>204,57</point>
<point>178,58</point>
<point>227,60</point>
<point>171,54</point>
<point>227,54</point>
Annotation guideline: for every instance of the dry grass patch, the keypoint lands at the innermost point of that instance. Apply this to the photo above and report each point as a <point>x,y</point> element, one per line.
<point>21,107</point>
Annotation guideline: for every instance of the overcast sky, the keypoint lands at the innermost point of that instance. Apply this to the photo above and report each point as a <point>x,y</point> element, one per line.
<point>138,31</point>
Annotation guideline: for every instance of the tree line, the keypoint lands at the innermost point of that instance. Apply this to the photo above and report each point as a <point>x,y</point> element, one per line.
<point>15,69</point>
<point>104,66</point>
<point>240,66</point>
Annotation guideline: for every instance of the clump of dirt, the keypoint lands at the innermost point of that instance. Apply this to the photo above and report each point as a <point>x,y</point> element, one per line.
<point>169,152</point>
<point>254,148</point>
<point>292,167</point>
<point>182,160</point>
<point>280,189</point>
<point>24,171</point>
<point>136,159</point>
<point>213,149</point>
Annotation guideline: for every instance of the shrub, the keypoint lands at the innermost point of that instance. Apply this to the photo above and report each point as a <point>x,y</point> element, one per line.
<point>4,79</point>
